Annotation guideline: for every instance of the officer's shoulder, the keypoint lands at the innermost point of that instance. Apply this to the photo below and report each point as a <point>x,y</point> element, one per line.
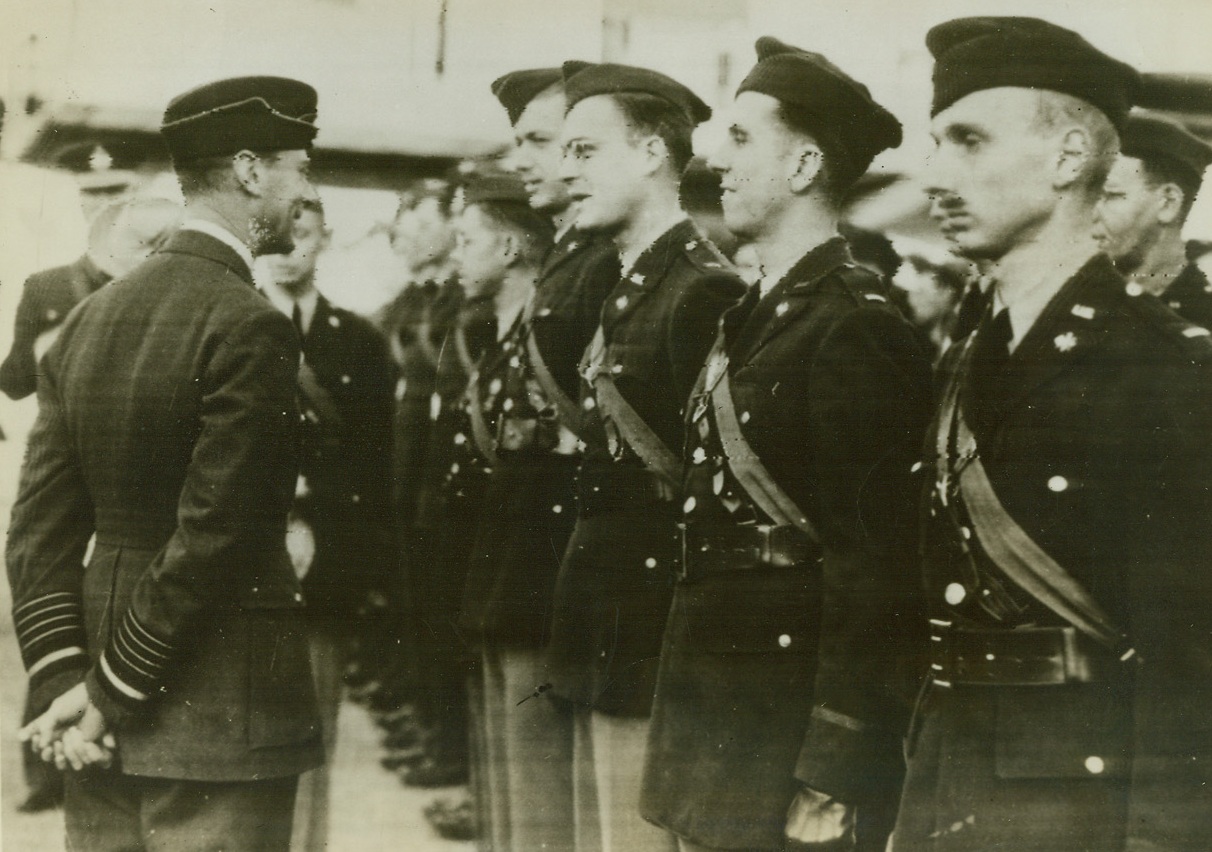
<point>703,255</point>
<point>1165,328</point>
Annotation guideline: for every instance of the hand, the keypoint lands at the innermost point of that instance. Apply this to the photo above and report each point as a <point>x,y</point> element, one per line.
<point>71,732</point>
<point>817,822</point>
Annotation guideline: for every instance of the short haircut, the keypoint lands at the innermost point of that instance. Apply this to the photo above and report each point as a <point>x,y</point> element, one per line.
<point>438,189</point>
<point>206,175</point>
<point>535,229</point>
<point>834,178</point>
<point>1056,110</point>
<point>649,114</point>
<point>1160,170</point>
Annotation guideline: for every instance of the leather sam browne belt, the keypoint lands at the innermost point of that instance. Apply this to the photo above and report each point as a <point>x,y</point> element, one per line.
<point>745,548</point>
<point>1026,656</point>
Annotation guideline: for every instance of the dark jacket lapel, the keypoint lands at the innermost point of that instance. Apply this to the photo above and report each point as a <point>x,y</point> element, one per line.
<point>779,308</point>
<point>647,274</point>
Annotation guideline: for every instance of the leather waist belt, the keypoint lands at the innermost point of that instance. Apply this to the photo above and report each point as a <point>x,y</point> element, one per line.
<point>603,489</point>
<point>1035,656</point>
<point>745,548</point>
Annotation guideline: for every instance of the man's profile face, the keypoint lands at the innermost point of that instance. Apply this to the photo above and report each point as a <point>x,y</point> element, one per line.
<point>297,269</point>
<point>990,175</point>
<point>286,184</point>
<point>604,164</point>
<point>536,154</point>
<point>422,234</point>
<point>1126,217</point>
<point>481,251</point>
<point>755,162</point>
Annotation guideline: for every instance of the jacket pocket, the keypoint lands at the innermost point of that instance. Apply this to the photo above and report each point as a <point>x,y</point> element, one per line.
<point>1078,731</point>
<point>752,612</point>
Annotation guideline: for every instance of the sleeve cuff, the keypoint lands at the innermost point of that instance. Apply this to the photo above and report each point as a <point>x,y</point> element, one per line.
<point>847,759</point>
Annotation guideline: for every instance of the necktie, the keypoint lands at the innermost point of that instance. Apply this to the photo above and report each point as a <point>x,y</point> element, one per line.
<point>296,316</point>
<point>987,373</point>
<point>971,309</point>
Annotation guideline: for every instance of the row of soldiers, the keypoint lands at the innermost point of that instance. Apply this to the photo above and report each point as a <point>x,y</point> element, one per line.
<point>728,637</point>
<point>698,543</point>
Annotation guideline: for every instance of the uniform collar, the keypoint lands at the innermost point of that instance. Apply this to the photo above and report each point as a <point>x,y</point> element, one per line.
<point>285,302</point>
<point>222,235</point>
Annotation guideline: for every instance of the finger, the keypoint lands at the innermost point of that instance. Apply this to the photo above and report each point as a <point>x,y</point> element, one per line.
<point>26,734</point>
<point>60,758</point>
<point>109,742</point>
<point>91,754</point>
<point>107,759</point>
<point>47,754</point>
<point>73,745</point>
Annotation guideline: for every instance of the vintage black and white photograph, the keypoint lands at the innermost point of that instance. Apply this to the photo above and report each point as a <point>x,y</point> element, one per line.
<point>606,426</point>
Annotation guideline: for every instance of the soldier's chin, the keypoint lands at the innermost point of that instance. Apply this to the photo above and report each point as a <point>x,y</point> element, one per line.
<point>267,240</point>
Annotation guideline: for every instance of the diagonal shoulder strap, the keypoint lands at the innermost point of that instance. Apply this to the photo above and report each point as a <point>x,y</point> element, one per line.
<point>567,410</point>
<point>480,432</point>
<point>319,398</point>
<point>744,463</point>
<point>639,435</point>
<point>1009,546</point>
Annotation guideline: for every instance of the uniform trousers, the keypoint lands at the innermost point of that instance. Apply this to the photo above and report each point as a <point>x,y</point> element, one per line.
<point>528,754</point>
<point>608,758</point>
<point>328,653</point>
<point>107,811</point>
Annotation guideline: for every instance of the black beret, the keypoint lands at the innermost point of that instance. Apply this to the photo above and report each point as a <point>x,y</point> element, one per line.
<point>1149,138</point>
<point>254,113</point>
<point>835,105</point>
<point>972,54</point>
<point>583,80</point>
<point>517,89</point>
<point>506,188</point>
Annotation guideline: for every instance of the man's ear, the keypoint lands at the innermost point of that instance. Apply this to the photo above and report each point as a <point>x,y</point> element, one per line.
<point>1171,199</point>
<point>1072,158</point>
<point>805,167</point>
<point>247,167</point>
<point>657,153</point>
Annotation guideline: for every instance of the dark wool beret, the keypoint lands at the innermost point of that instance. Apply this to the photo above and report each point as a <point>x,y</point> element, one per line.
<point>830,102</point>
<point>495,187</point>
<point>584,81</point>
<point>1150,138</point>
<point>518,88</point>
<point>254,113</point>
<point>972,54</point>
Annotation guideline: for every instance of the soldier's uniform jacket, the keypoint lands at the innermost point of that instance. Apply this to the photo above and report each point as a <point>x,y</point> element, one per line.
<point>45,302</point>
<point>832,390</point>
<point>471,331</point>
<point>1190,296</point>
<point>614,587</point>
<point>167,425</point>
<point>346,434</point>
<point>530,500</point>
<point>416,337</point>
<point>1099,448</point>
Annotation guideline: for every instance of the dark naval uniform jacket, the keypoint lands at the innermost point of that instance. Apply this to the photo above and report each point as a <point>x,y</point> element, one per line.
<point>614,587</point>
<point>1095,435</point>
<point>530,505</point>
<point>1190,296</point>
<point>45,302</point>
<point>782,660</point>
<point>167,426</point>
<point>346,435</point>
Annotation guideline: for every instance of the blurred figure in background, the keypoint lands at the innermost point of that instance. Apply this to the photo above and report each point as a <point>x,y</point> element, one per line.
<point>121,237</point>
<point>384,673</point>
<point>1144,206</point>
<point>339,532</point>
<point>932,282</point>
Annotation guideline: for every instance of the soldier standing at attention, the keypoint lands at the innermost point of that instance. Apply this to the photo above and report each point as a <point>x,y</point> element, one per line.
<point>1067,536</point>
<point>627,140</point>
<point>530,500</point>
<point>339,534</point>
<point>1144,206</point>
<point>167,426</point>
<point>777,720</point>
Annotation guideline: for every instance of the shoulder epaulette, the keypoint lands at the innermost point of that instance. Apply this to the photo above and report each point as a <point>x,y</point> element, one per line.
<point>704,254</point>
<point>1194,341</point>
<point>864,286</point>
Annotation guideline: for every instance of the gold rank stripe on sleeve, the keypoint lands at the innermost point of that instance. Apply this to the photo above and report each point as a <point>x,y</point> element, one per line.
<point>133,664</point>
<point>50,631</point>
